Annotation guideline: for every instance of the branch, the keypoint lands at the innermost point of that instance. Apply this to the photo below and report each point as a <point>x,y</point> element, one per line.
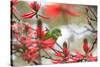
<point>94,43</point>
<point>92,12</point>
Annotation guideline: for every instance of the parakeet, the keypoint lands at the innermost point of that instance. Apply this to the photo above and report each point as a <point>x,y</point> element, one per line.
<point>55,33</point>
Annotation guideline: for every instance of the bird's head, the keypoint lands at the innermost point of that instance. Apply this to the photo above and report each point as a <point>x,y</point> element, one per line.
<point>56,33</point>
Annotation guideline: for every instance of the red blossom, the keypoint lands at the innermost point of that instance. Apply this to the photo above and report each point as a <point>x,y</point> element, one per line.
<point>22,39</point>
<point>91,58</point>
<point>35,6</point>
<point>44,43</point>
<point>58,54</point>
<point>54,10</point>
<point>66,51</point>
<point>49,43</point>
<point>18,27</point>
<point>64,57</point>
<point>40,32</point>
<point>30,54</point>
<point>28,27</point>
<point>32,34</point>
<point>86,46</point>
<point>88,57</point>
<point>30,41</point>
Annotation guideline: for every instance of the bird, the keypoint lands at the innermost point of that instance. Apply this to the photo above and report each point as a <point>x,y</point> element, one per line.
<point>55,33</point>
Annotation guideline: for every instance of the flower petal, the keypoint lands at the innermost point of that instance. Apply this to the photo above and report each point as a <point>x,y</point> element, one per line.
<point>48,43</point>
<point>35,6</point>
<point>52,10</point>
<point>44,17</point>
<point>28,15</point>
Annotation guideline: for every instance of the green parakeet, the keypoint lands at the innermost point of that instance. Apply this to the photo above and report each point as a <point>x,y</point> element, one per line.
<point>55,33</point>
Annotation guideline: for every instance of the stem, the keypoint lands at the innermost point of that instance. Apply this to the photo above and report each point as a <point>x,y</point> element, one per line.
<point>91,18</point>
<point>16,17</point>
<point>94,43</point>
<point>90,24</point>
<point>39,36</point>
<point>88,29</point>
<point>47,53</point>
<point>55,50</point>
<point>59,46</point>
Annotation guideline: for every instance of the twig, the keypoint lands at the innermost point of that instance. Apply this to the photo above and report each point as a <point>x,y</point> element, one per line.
<point>90,24</point>
<point>59,46</point>
<point>88,29</point>
<point>47,53</point>
<point>94,43</point>
<point>16,17</point>
<point>92,12</point>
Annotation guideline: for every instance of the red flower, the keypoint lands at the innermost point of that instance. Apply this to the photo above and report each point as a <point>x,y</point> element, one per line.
<point>40,32</point>
<point>86,46</point>
<point>44,43</point>
<point>49,43</point>
<point>54,10</point>
<point>29,42</point>
<point>88,57</point>
<point>66,51</point>
<point>58,54</point>
<point>35,6</point>
<point>29,39</point>
<point>28,27</point>
<point>18,27</point>
<point>64,57</point>
<point>30,54</point>
<point>22,39</point>
<point>91,58</point>
<point>32,34</point>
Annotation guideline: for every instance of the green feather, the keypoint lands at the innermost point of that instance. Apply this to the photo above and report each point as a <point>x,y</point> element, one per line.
<point>55,33</point>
